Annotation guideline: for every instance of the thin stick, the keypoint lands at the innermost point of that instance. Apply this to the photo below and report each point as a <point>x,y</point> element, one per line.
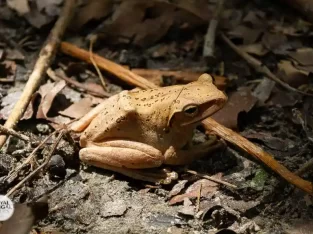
<point>259,67</point>
<point>305,167</point>
<point>45,58</point>
<point>9,131</point>
<point>32,155</point>
<point>258,153</point>
<point>209,40</point>
<point>211,178</point>
<point>198,199</point>
<point>42,166</point>
<point>76,84</point>
<point>92,40</point>
<point>208,123</point>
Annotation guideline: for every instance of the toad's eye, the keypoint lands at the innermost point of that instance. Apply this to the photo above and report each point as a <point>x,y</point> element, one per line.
<point>191,110</point>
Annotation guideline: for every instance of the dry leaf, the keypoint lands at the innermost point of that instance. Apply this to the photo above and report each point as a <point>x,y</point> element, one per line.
<point>51,7</point>
<point>193,190</point>
<point>241,100</point>
<point>177,188</point>
<point>273,40</point>
<point>8,103</point>
<point>14,54</point>
<point>9,69</point>
<point>264,89</point>
<point>304,56</point>
<point>304,68</point>
<point>291,75</point>
<point>21,6</point>
<point>256,48</point>
<point>230,18</point>
<point>248,35</point>
<point>48,93</point>
<point>94,9</point>
<point>145,22</point>
<point>270,141</point>
<point>288,30</point>
<point>43,12</point>
<point>188,209</point>
<point>255,18</point>
<point>79,109</point>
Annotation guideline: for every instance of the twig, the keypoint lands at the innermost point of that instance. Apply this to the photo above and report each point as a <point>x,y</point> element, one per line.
<point>258,153</point>
<point>9,131</point>
<point>76,84</point>
<point>211,178</point>
<point>198,199</point>
<point>209,40</point>
<point>42,166</point>
<point>92,40</point>
<point>208,123</point>
<point>32,155</point>
<point>45,58</point>
<point>305,167</point>
<point>107,65</point>
<point>259,67</point>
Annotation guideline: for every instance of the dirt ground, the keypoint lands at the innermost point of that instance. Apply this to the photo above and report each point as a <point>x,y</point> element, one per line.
<point>84,199</point>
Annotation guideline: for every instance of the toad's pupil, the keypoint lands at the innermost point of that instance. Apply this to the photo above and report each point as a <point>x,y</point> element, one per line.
<point>191,110</point>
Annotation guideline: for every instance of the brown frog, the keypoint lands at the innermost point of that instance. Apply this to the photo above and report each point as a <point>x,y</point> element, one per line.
<point>135,131</point>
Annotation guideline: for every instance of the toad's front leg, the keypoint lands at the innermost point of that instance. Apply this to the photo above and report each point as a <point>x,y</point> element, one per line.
<point>128,158</point>
<point>193,152</point>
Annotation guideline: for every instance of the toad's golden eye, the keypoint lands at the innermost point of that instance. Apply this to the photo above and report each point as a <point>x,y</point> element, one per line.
<point>191,110</point>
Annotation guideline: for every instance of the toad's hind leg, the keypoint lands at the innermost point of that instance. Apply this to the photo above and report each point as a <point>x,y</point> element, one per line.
<point>133,159</point>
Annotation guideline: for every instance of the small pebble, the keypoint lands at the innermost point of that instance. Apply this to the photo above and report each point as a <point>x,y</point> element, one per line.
<point>57,166</point>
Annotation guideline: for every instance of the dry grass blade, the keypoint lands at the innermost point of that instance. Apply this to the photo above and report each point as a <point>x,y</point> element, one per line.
<point>92,40</point>
<point>45,58</point>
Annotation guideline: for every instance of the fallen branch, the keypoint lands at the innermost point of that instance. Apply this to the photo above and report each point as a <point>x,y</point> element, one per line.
<point>258,153</point>
<point>45,58</point>
<point>259,67</point>
<point>209,124</point>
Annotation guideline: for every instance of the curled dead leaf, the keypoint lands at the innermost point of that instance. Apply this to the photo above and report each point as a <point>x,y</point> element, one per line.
<point>192,191</point>
<point>80,108</point>
<point>93,9</point>
<point>256,48</point>
<point>291,75</point>
<point>304,56</point>
<point>238,101</point>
